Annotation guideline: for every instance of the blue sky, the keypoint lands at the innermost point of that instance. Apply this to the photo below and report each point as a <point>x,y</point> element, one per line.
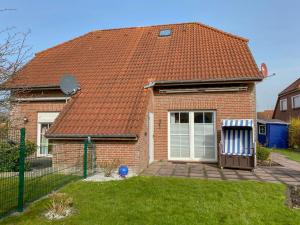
<point>271,25</point>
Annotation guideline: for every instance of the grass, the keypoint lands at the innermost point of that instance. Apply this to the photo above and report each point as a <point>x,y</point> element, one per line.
<point>289,153</point>
<point>162,200</point>
<point>35,187</point>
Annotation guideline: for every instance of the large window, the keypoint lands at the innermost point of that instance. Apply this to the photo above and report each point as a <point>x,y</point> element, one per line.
<point>283,104</point>
<point>296,101</point>
<point>192,136</point>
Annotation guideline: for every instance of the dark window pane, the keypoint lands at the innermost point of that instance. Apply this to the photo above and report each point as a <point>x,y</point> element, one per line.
<point>184,117</point>
<point>176,117</point>
<point>198,117</point>
<point>262,129</point>
<point>208,117</point>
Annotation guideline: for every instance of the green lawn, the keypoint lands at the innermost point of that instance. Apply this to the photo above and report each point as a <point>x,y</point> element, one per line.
<point>290,154</point>
<point>35,187</point>
<point>163,200</point>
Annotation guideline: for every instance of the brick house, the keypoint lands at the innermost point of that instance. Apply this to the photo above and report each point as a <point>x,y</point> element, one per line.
<point>288,103</point>
<point>144,90</point>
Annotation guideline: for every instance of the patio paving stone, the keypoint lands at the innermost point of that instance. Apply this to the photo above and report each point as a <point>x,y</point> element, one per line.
<point>288,173</point>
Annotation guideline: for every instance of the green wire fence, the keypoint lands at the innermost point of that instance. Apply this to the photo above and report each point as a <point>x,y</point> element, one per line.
<point>26,175</point>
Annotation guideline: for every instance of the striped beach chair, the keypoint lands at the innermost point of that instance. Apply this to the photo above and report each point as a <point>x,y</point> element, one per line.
<point>237,146</point>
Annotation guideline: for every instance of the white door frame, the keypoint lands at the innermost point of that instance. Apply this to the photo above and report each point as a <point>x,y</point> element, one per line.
<point>43,117</point>
<point>150,136</point>
<point>191,133</point>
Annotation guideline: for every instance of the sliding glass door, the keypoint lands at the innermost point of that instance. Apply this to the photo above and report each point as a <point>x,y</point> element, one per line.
<point>192,136</point>
<point>179,135</point>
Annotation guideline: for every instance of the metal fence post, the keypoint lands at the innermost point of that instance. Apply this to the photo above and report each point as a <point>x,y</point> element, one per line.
<point>85,159</point>
<point>21,171</point>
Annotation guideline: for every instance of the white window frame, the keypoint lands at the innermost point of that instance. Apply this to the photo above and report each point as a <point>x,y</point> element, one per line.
<point>43,117</point>
<point>293,104</point>
<point>281,104</point>
<point>259,131</point>
<point>191,134</point>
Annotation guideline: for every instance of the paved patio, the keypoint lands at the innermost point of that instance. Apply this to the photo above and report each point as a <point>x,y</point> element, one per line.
<point>288,172</point>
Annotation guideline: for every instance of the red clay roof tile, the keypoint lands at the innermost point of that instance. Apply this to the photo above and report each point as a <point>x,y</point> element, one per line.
<point>112,67</point>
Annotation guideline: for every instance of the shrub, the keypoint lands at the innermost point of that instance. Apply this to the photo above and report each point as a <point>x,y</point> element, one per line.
<point>262,153</point>
<point>294,133</point>
<point>9,151</point>
<point>60,206</point>
<point>109,167</point>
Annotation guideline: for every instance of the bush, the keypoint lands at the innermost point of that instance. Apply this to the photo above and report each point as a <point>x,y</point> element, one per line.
<point>9,152</point>
<point>294,133</point>
<point>60,206</point>
<point>109,167</point>
<point>262,154</point>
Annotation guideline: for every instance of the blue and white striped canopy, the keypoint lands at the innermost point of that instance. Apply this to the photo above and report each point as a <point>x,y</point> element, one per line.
<point>238,142</point>
<point>238,123</point>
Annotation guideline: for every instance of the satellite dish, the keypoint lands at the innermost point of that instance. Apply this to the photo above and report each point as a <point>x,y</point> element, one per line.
<point>68,85</point>
<point>264,69</point>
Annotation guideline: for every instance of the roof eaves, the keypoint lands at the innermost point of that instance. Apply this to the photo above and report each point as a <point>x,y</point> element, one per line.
<point>36,87</point>
<point>272,121</point>
<point>288,92</point>
<point>94,136</point>
<point>191,82</point>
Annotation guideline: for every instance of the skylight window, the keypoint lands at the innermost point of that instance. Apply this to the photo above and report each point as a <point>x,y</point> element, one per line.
<point>165,32</point>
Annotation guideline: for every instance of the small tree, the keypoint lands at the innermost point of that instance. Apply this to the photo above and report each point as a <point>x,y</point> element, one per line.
<point>14,53</point>
<point>294,133</point>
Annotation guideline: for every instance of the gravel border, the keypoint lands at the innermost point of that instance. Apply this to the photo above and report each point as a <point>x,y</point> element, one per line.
<point>99,177</point>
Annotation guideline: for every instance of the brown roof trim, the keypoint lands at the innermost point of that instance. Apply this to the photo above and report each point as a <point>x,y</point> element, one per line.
<point>193,82</point>
<point>288,92</point>
<point>132,137</point>
<point>38,87</point>
<point>292,87</point>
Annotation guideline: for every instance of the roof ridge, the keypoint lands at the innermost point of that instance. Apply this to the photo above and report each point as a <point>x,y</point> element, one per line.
<point>172,24</point>
<point>136,27</point>
<point>223,32</point>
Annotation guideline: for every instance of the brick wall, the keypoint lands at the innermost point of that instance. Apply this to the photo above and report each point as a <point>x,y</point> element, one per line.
<point>131,153</point>
<point>67,154</point>
<point>228,105</point>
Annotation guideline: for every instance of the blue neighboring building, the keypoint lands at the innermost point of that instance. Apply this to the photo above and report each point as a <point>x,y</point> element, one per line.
<point>272,133</point>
